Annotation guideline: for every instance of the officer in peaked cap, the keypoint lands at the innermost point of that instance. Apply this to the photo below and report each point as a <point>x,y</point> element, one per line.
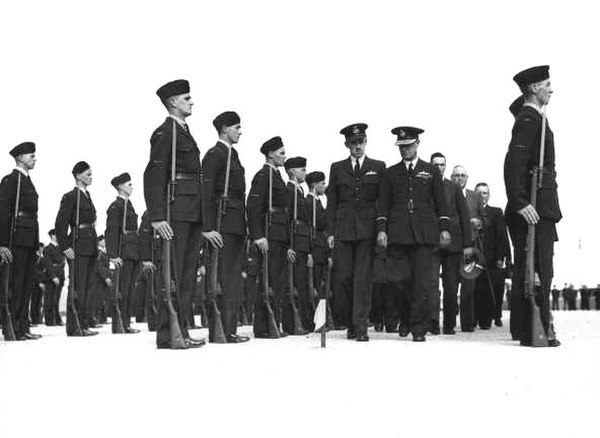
<point>521,159</point>
<point>19,237</point>
<point>351,195</point>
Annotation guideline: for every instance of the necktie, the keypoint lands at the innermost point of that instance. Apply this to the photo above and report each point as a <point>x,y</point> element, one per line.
<point>410,169</point>
<point>356,168</point>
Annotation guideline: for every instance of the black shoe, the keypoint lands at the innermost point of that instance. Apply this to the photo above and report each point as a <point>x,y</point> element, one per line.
<point>88,332</point>
<point>467,329</point>
<point>131,330</point>
<point>32,336</point>
<point>20,338</point>
<point>195,341</point>
<point>449,331</point>
<point>435,330</point>
<point>60,323</point>
<point>189,344</point>
<point>362,337</point>
<point>378,326</point>
<point>236,339</point>
<point>403,331</point>
<point>418,338</point>
<point>485,327</point>
<point>553,342</point>
<point>350,334</point>
<point>498,322</point>
<point>391,329</point>
<point>96,325</point>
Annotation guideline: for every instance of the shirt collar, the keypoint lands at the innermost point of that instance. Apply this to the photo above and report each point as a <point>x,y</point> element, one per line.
<point>23,171</point>
<point>121,196</point>
<point>83,190</point>
<point>272,166</point>
<point>534,106</point>
<point>361,160</point>
<point>413,161</point>
<point>224,142</point>
<point>178,120</point>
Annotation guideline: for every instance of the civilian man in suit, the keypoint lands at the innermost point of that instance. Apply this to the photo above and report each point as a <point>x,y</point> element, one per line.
<point>493,242</point>
<point>77,217</point>
<point>450,257</point>
<point>477,215</point>
<point>122,245</point>
<point>351,197</point>
<point>54,262</point>
<point>231,236</point>
<point>522,156</point>
<point>412,219</point>
<point>186,205</point>
<point>19,236</point>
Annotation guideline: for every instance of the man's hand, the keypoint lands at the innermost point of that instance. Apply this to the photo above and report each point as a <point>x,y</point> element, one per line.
<point>42,287</point>
<point>499,264</point>
<point>202,270</point>
<point>291,255</point>
<point>117,261</point>
<point>108,282</point>
<point>476,223</point>
<point>467,252</point>
<point>530,214</point>
<point>56,281</point>
<point>382,239</point>
<point>164,229</point>
<point>263,245</point>
<point>214,237</point>
<point>148,266</point>
<point>69,253</point>
<point>330,241</point>
<point>309,261</point>
<point>5,255</point>
<point>445,238</point>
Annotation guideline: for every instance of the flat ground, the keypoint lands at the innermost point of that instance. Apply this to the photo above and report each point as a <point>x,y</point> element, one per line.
<point>472,384</point>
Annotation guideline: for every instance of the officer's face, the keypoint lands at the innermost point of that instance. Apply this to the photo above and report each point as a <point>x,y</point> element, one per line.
<point>126,188</point>
<point>440,163</point>
<point>233,133</point>
<point>485,193</point>
<point>409,151</point>
<point>459,176</point>
<point>320,188</point>
<point>182,104</point>
<point>27,160</point>
<point>85,178</point>
<point>543,91</point>
<point>300,174</point>
<point>357,147</point>
<point>278,157</point>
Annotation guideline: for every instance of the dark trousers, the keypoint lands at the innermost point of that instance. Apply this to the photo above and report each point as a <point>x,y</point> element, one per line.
<point>37,299</point>
<point>163,325</point>
<point>126,287</point>
<point>545,237</point>
<point>352,276</point>
<point>81,294</point>
<point>450,263</point>
<point>411,273</point>
<point>486,307</point>
<point>184,249</point>
<point>305,300</point>
<point>51,301</point>
<point>384,305</point>
<point>251,293</point>
<point>467,304</point>
<point>230,278</point>
<point>22,272</point>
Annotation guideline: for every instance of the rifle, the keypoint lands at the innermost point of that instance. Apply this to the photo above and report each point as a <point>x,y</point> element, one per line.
<point>7,323</point>
<point>176,338</point>
<point>151,309</point>
<point>538,335</point>
<point>73,325</point>
<point>117,320</point>
<point>312,293</point>
<point>297,328</point>
<point>216,334</point>
<point>486,268</point>
<point>330,322</point>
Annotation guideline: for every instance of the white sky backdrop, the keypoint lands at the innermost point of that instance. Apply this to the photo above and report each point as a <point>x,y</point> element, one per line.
<point>79,79</point>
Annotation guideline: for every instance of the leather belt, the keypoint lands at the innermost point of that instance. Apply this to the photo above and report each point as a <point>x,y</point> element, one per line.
<point>187,176</point>
<point>278,210</point>
<point>26,214</point>
<point>81,226</point>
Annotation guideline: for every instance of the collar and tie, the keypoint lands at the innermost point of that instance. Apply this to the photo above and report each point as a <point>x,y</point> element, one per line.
<point>356,168</point>
<point>410,168</point>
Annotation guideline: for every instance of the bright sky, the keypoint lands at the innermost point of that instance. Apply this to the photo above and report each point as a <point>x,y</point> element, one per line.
<point>80,81</point>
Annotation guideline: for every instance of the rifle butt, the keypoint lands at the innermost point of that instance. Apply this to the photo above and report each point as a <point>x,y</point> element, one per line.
<point>538,334</point>
<point>117,321</point>
<point>176,337</point>
<point>7,324</point>
<point>216,334</point>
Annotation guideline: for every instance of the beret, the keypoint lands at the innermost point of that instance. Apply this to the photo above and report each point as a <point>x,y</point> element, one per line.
<point>532,75</point>
<point>173,88</point>
<point>120,179</point>
<point>27,147</point>
<point>315,177</point>
<point>80,167</point>
<point>294,163</point>
<point>271,145</point>
<point>228,118</point>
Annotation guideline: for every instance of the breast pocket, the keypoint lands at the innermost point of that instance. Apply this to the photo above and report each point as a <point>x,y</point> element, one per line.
<point>370,186</point>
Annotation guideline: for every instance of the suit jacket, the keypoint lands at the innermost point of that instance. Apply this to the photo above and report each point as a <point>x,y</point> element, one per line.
<point>412,209</point>
<point>495,237</point>
<point>300,228</point>
<point>522,156</point>
<point>351,199</point>
<point>460,220</point>
<point>122,238</point>
<point>26,228</point>
<point>85,242</point>
<point>54,262</point>
<point>186,206</point>
<point>214,166</point>
<point>258,206</point>
<point>476,210</point>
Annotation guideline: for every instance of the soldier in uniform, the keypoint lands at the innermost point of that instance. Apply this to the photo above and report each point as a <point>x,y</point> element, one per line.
<point>54,263</point>
<point>19,228</point>
<point>451,256</point>
<point>522,156</point>
<point>495,248</point>
<point>103,285</point>
<point>351,195</point>
<point>277,245</point>
<point>82,257</point>
<point>412,220</point>
<point>318,227</point>
<point>151,259</point>
<point>186,207</point>
<point>230,238</point>
<point>38,288</point>
<point>122,245</point>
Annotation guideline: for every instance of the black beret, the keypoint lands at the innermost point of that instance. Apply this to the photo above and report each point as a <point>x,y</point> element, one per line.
<point>532,75</point>
<point>315,177</point>
<point>27,147</point>
<point>52,232</point>
<point>120,179</point>
<point>173,88</point>
<point>407,134</point>
<point>228,118</point>
<point>354,131</point>
<point>80,167</point>
<point>271,145</point>
<point>294,163</point>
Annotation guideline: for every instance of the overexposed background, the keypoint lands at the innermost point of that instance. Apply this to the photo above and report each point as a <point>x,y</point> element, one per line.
<point>79,79</point>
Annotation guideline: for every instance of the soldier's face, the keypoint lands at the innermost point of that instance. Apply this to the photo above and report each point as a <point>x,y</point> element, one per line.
<point>459,176</point>
<point>300,174</point>
<point>27,160</point>
<point>440,163</point>
<point>126,188</point>
<point>543,91</point>
<point>357,147</point>
<point>183,104</point>
<point>320,188</point>
<point>85,177</point>
<point>409,151</point>
<point>278,157</point>
<point>485,193</point>
<point>233,133</point>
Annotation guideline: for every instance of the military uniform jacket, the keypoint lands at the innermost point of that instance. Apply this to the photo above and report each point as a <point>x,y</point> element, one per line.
<point>54,262</point>
<point>187,204</point>
<point>214,166</point>
<point>258,206</point>
<point>495,238</point>
<point>412,209</point>
<point>86,244</point>
<point>522,156</point>
<point>300,227</point>
<point>319,227</point>
<point>150,241</point>
<point>351,199</point>
<point>26,228</point>
<point>122,238</point>
<point>103,267</point>
<point>460,220</point>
